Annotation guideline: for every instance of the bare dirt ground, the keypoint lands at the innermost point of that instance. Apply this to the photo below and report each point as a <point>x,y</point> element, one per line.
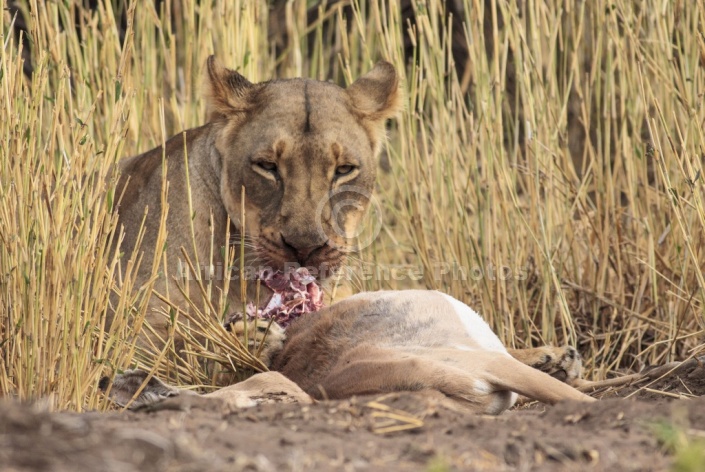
<point>396,432</point>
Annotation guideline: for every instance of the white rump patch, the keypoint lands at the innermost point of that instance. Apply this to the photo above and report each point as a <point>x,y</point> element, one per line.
<point>475,326</point>
<point>501,401</point>
<point>482,387</point>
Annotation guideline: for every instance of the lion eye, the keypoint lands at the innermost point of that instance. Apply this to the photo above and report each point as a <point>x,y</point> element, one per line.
<point>344,170</point>
<point>267,166</point>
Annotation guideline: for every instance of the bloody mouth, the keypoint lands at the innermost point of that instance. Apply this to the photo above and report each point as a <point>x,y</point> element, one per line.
<point>295,293</point>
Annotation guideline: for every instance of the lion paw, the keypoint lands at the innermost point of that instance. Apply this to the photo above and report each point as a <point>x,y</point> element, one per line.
<point>126,385</point>
<point>272,335</point>
<point>564,363</point>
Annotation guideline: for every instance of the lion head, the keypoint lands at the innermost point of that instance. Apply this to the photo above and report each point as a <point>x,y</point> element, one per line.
<point>305,152</point>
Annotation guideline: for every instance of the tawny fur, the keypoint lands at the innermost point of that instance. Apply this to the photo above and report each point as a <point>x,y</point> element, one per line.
<point>268,387</point>
<point>378,342</point>
<point>283,141</point>
<point>382,342</point>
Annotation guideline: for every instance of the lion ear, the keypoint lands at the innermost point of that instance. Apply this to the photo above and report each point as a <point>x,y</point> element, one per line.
<point>376,94</point>
<point>227,91</point>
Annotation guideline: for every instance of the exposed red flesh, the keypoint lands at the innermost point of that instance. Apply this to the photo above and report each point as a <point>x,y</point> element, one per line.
<point>296,292</point>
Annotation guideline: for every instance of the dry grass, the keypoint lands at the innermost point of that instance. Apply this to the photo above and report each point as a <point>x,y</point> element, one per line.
<point>561,175</point>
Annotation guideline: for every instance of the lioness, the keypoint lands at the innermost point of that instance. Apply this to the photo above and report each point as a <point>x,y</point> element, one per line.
<point>301,148</point>
<point>304,150</point>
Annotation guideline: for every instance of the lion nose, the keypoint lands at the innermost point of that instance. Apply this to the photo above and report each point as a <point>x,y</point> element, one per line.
<point>300,250</point>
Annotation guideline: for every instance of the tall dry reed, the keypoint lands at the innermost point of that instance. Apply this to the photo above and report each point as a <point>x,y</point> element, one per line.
<point>555,185</point>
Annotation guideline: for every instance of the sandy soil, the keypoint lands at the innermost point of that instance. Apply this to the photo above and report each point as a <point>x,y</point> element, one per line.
<point>395,432</point>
